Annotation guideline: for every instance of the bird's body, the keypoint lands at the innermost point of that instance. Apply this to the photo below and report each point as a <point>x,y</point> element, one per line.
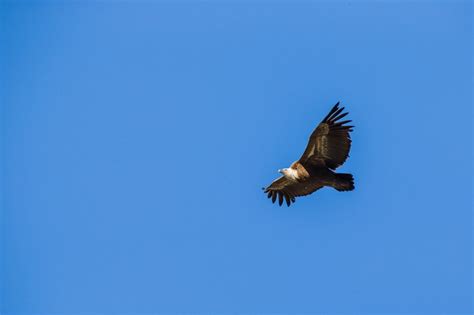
<point>327,149</point>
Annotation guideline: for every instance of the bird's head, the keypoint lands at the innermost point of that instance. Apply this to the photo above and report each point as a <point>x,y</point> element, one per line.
<point>289,173</point>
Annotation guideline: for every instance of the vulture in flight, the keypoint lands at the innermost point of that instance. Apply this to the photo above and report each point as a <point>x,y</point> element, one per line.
<point>328,148</point>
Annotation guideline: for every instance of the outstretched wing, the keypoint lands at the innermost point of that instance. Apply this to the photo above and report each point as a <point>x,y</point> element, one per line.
<point>283,188</point>
<point>330,142</point>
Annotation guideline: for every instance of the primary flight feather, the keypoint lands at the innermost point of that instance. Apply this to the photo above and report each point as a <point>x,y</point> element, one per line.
<point>328,148</point>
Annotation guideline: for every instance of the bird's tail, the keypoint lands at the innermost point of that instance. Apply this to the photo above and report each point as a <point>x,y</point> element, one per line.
<point>344,182</point>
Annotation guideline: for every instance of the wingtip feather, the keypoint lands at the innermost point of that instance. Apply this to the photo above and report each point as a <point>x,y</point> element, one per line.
<point>333,109</point>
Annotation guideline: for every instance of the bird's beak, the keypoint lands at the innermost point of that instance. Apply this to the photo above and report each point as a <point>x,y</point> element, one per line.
<point>280,171</point>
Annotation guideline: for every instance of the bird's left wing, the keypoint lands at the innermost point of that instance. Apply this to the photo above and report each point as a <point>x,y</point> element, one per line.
<point>284,188</point>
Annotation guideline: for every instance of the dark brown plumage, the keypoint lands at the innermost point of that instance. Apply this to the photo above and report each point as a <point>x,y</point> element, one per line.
<point>328,148</point>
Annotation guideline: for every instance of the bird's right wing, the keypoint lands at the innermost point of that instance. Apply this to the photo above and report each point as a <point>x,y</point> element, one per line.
<point>289,189</point>
<point>330,142</point>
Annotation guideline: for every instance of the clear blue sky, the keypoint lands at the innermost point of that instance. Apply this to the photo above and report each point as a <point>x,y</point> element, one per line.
<point>137,137</point>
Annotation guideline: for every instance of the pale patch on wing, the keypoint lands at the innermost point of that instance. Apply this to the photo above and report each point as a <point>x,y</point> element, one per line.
<point>322,144</point>
<point>311,152</point>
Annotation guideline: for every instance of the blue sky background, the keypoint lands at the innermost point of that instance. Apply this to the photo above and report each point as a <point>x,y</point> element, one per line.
<point>136,138</point>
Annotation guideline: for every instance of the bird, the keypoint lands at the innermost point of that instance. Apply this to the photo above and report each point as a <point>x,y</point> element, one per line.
<point>328,148</point>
